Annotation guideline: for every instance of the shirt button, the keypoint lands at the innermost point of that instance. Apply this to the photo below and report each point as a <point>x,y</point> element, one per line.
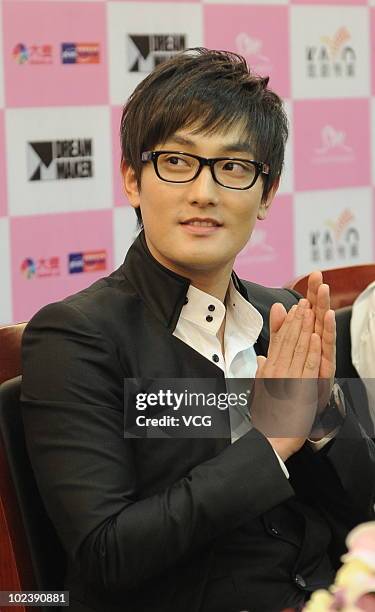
<point>274,530</point>
<point>211,307</point>
<point>209,318</point>
<point>186,300</point>
<point>215,358</point>
<point>300,581</point>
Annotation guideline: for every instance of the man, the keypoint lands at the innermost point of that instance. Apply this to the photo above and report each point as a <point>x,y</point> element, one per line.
<point>251,520</point>
<point>362,334</point>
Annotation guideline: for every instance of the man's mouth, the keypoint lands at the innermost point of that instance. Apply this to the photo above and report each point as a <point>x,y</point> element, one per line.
<point>202,223</point>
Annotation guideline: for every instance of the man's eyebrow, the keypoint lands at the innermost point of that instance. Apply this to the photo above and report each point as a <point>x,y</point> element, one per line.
<point>242,147</point>
<point>182,140</point>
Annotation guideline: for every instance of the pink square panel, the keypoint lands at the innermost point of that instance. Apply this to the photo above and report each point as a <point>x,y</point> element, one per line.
<point>55,53</point>
<point>332,143</point>
<point>3,190</point>
<point>56,255</point>
<point>373,47</point>
<point>118,193</point>
<point>259,33</point>
<point>268,258</point>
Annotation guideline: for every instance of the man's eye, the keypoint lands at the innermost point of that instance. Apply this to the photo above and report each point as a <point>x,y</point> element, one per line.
<point>234,167</point>
<point>176,161</point>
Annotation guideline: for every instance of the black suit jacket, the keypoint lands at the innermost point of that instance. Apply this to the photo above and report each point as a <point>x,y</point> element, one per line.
<point>173,524</point>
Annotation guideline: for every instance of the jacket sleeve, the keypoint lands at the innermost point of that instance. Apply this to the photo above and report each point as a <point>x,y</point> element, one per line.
<point>72,396</point>
<point>339,479</point>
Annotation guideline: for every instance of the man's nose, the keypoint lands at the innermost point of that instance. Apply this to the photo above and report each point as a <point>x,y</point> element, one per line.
<point>203,190</point>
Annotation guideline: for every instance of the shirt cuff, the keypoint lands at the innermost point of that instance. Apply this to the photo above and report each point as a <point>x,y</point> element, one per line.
<point>339,400</point>
<point>282,464</point>
<point>316,445</point>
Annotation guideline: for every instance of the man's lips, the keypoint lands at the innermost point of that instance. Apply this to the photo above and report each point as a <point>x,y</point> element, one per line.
<point>201,226</point>
<point>201,222</point>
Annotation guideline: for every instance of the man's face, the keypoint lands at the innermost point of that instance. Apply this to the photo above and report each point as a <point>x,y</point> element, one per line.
<point>172,212</point>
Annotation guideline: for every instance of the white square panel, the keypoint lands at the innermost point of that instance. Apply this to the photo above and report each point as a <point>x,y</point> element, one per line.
<point>286,183</point>
<point>124,232</point>
<point>333,229</point>
<point>372,120</point>
<point>258,2</point>
<point>59,159</point>
<point>142,34</point>
<point>330,52</point>
<point>5,274</point>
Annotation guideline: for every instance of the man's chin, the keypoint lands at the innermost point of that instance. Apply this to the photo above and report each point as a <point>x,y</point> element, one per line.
<point>203,264</point>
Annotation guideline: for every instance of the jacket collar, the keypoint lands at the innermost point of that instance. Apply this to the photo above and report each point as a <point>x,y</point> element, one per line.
<point>164,291</point>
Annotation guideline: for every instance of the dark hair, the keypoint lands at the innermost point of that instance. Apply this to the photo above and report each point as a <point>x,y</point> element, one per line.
<point>208,91</point>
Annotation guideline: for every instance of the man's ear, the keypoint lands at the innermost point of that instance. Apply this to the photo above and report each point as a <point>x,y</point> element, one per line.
<point>130,185</point>
<point>266,204</point>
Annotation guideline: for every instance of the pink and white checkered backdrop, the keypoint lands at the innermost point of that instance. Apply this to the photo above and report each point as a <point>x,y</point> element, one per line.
<point>67,67</point>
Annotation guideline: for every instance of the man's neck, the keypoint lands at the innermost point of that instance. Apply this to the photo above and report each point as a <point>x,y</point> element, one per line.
<point>213,284</point>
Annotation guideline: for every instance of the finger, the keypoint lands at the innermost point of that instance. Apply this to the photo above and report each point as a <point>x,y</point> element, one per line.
<point>292,329</point>
<point>302,347</point>
<point>261,361</point>
<point>314,281</point>
<point>278,331</point>
<point>312,363</point>
<point>328,362</point>
<point>323,304</point>
<point>278,316</point>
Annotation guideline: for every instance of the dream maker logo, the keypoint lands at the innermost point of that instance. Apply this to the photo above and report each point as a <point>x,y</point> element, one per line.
<point>333,57</point>
<point>60,159</point>
<point>338,239</point>
<point>80,53</point>
<point>145,52</point>
<point>33,54</point>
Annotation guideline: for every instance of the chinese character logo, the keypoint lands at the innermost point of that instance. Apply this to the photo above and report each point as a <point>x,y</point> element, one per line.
<point>337,240</point>
<point>33,54</point>
<point>41,267</point>
<point>333,57</point>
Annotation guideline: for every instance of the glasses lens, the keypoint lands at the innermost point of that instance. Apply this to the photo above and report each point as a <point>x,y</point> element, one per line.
<point>177,167</point>
<point>237,174</point>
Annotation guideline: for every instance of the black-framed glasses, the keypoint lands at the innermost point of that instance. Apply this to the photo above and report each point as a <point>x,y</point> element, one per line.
<point>230,172</point>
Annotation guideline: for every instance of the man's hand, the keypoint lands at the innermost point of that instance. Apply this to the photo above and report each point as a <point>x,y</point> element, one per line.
<point>286,391</point>
<point>325,326</point>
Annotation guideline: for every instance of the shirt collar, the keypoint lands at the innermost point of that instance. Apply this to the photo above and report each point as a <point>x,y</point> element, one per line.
<point>207,312</point>
<point>164,291</point>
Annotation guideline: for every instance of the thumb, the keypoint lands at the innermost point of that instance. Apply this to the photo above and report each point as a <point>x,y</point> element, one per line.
<point>261,361</point>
